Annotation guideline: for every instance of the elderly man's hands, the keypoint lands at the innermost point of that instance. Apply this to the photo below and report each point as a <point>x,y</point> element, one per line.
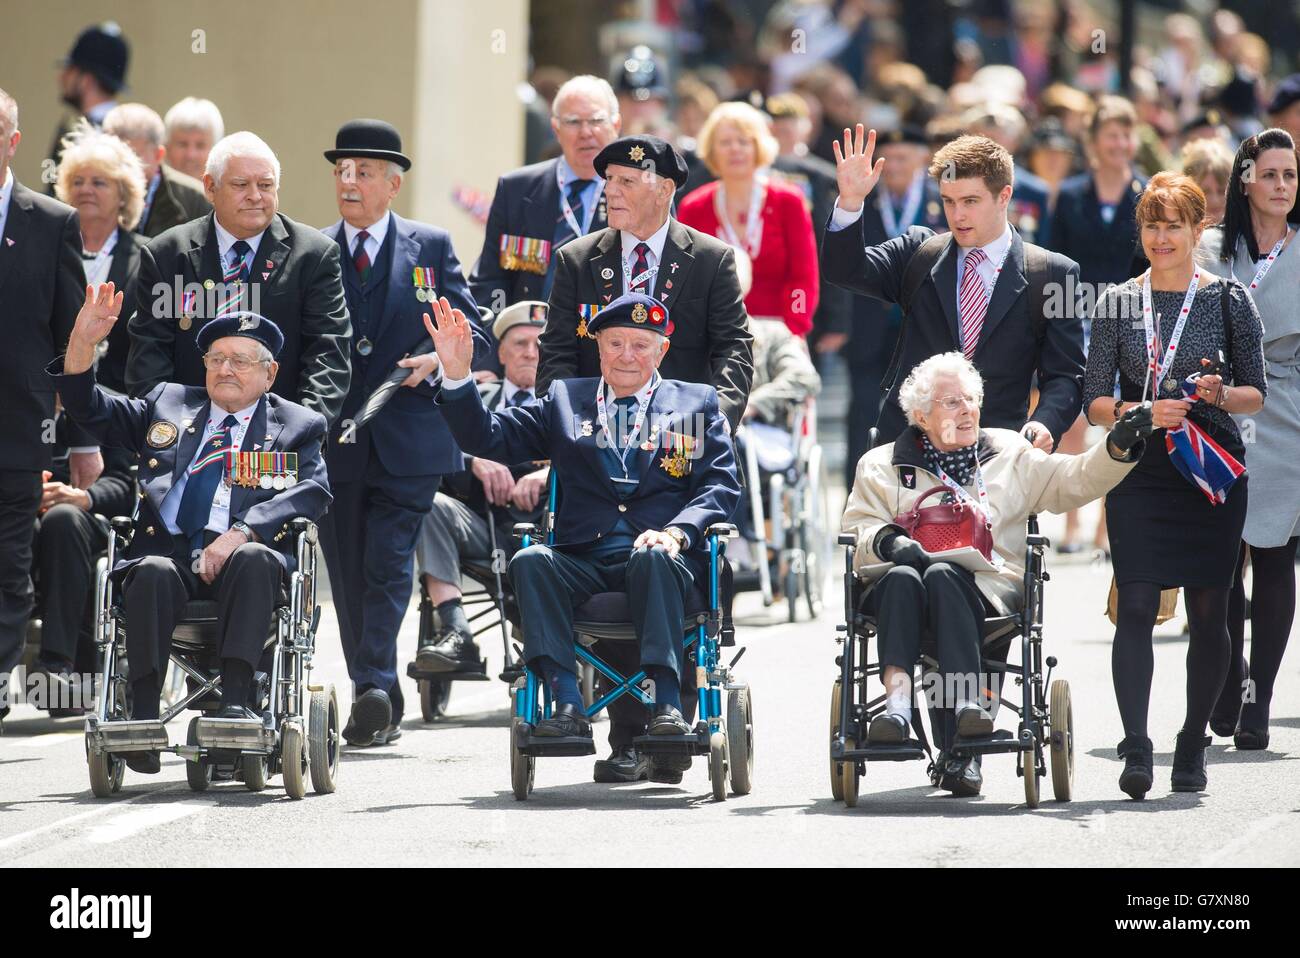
<point>94,322</point>
<point>498,482</point>
<point>900,550</point>
<point>656,537</point>
<point>422,367</point>
<point>215,555</point>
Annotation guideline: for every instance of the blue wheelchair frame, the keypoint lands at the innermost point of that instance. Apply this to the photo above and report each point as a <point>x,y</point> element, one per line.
<point>532,698</point>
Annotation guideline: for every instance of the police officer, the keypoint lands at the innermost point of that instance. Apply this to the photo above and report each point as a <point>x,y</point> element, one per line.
<point>539,208</point>
<point>645,466</point>
<point>222,471</point>
<point>384,474</point>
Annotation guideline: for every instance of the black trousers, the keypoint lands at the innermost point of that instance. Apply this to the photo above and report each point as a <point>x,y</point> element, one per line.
<point>20,499</point>
<point>155,591</point>
<point>942,606</point>
<point>68,541</point>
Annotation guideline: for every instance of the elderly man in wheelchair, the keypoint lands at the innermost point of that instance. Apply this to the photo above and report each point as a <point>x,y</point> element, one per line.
<point>944,477</point>
<point>646,470</point>
<point>226,472</point>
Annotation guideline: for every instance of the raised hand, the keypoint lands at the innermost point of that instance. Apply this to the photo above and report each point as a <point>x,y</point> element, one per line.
<point>94,322</point>
<point>855,173</point>
<point>453,339</point>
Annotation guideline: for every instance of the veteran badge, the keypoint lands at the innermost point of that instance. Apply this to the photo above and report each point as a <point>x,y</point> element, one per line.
<point>675,465</point>
<point>636,154</point>
<point>639,315</point>
<point>161,434</point>
<point>586,427</point>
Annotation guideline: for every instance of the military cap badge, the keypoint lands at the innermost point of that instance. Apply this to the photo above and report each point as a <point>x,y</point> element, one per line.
<point>639,314</point>
<point>636,154</point>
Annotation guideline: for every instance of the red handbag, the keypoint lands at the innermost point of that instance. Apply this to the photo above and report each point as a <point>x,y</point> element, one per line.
<point>951,525</point>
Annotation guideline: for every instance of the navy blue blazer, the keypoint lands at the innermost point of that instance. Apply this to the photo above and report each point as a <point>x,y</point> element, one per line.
<point>590,506</point>
<point>1008,354</point>
<point>1104,251</point>
<point>278,425</point>
<point>408,435</point>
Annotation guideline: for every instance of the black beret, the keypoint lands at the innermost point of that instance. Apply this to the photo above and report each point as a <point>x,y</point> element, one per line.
<point>1210,117</point>
<point>903,134</point>
<point>635,311</point>
<point>643,153</point>
<point>248,325</point>
<point>1287,92</point>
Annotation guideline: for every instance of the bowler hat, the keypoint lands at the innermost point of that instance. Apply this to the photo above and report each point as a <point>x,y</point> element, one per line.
<point>374,139</point>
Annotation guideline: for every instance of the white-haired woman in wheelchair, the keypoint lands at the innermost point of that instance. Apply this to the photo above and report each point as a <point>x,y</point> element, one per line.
<point>1001,476</point>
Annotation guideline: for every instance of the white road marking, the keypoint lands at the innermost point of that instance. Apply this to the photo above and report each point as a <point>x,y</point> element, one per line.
<point>46,739</point>
<point>124,826</point>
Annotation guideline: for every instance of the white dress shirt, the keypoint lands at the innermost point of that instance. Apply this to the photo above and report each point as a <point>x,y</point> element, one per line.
<point>509,389</point>
<point>219,517</point>
<point>96,269</point>
<point>374,239</point>
<point>653,258</point>
<point>225,240</point>
<point>6,191</point>
<point>590,194</point>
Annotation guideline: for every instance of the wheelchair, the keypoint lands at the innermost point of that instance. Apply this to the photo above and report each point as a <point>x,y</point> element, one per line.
<point>727,738</point>
<point>789,515</point>
<point>489,607</point>
<point>1045,731</point>
<point>299,731</point>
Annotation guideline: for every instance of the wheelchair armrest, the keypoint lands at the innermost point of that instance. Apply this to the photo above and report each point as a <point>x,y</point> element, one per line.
<point>123,527</point>
<point>521,529</point>
<point>723,530</point>
<point>849,539</point>
<point>300,525</point>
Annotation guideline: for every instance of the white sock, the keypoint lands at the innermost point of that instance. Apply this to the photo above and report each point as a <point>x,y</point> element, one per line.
<point>900,704</point>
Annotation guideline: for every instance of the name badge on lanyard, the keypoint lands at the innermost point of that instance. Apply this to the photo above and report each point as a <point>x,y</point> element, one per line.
<point>1265,266</point>
<point>1158,370</point>
<point>602,416</point>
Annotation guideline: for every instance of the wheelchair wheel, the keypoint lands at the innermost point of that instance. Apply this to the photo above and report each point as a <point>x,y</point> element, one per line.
<point>255,771</point>
<point>1030,760</point>
<point>1061,715</point>
<point>740,740</point>
<point>434,695</point>
<point>849,778</point>
<point>198,774</point>
<point>293,759</point>
<point>106,771</point>
<point>522,766</point>
<point>718,765</point>
<point>323,740</point>
<point>837,770</point>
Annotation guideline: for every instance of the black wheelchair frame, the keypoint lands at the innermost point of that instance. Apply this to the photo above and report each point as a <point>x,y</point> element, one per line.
<point>297,733</point>
<point>1046,723</point>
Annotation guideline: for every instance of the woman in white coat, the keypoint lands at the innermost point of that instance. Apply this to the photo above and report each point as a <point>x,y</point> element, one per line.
<point>999,474</point>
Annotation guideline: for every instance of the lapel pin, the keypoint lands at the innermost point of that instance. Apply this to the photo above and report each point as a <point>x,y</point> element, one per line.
<point>270,264</point>
<point>606,273</point>
<point>607,297</point>
<point>668,285</point>
<point>9,240</point>
<point>266,275</point>
<point>208,284</point>
<point>672,267</point>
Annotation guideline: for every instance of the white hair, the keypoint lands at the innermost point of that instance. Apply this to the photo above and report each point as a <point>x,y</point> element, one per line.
<point>586,83</point>
<point>242,143</point>
<point>917,392</point>
<point>135,121</point>
<point>193,113</point>
<point>394,169</point>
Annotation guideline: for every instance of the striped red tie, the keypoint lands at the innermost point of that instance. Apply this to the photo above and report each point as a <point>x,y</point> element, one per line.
<point>972,302</point>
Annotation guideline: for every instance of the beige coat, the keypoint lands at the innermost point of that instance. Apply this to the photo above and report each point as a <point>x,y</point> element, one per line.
<point>1021,480</point>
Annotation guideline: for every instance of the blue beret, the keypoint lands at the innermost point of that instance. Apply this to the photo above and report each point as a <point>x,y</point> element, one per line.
<point>248,325</point>
<point>635,311</point>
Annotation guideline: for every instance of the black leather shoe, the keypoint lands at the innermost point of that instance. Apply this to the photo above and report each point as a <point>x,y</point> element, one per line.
<point>389,735</point>
<point>448,651</point>
<point>668,769</point>
<point>974,722</point>
<point>566,721</point>
<point>625,764</point>
<point>668,721</point>
<point>235,712</point>
<point>886,729</point>
<point>1135,780</point>
<point>147,763</point>
<point>1251,732</point>
<point>372,712</point>
<point>962,777</point>
<point>1189,773</point>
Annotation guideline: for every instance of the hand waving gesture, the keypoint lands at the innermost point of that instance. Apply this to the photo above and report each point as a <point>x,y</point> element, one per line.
<point>452,339</point>
<point>855,172</point>
<point>94,322</point>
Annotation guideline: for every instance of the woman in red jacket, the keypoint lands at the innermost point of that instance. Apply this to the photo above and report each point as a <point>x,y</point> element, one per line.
<point>766,221</point>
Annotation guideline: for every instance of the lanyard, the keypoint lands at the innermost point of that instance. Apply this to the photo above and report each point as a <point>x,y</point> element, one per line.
<point>603,418</point>
<point>911,204</point>
<point>1265,266</point>
<point>646,276</point>
<point>963,496</point>
<point>569,216</point>
<point>753,222</point>
<point>1148,324</point>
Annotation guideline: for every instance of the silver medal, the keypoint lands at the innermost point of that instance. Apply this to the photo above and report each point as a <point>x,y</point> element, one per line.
<point>264,482</point>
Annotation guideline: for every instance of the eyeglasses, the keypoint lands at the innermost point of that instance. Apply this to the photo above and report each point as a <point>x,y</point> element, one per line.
<point>240,364</point>
<point>952,403</point>
<point>595,123</point>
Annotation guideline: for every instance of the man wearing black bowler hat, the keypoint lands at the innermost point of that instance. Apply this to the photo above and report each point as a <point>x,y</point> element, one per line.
<point>384,473</point>
<point>693,275</point>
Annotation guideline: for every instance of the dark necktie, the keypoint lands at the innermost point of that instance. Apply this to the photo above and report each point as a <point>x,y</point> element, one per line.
<point>204,473</point>
<point>639,266</point>
<point>563,231</point>
<point>360,258</point>
<point>521,398</point>
<point>238,268</point>
<point>625,414</point>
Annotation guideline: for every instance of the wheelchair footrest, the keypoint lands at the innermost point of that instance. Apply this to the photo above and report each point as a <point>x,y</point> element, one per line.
<point>694,744</point>
<point>902,752</point>
<point>134,735</point>
<point>1002,740</point>
<point>242,735</point>
<point>470,675</point>
<point>549,746</point>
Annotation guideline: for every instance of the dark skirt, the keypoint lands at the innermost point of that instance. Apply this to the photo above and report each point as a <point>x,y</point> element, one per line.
<point>1165,531</point>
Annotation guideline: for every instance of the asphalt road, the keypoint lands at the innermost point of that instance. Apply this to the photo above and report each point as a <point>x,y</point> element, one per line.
<point>441,795</point>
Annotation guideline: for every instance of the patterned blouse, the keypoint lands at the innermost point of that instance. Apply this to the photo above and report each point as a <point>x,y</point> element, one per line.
<point>1119,343</point>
